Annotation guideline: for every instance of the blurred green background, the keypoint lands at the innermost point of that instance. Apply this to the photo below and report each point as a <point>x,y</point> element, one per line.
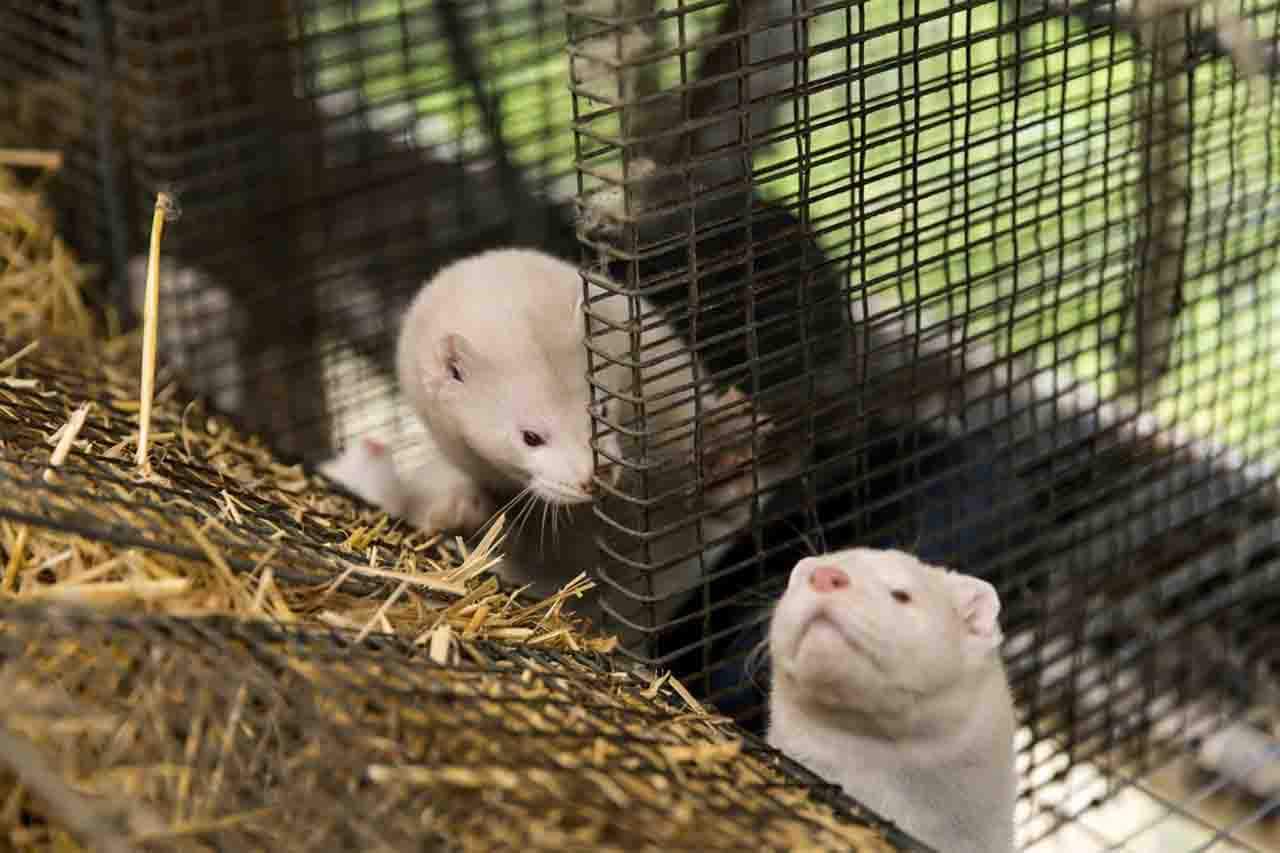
<point>930,179</point>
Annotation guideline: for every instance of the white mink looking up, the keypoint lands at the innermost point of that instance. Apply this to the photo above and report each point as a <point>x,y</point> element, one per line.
<point>887,680</point>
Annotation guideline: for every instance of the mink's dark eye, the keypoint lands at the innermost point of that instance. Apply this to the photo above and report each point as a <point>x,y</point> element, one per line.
<point>532,439</point>
<point>454,373</point>
<point>902,596</point>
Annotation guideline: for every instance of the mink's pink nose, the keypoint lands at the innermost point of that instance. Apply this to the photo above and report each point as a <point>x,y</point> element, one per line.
<point>828,579</point>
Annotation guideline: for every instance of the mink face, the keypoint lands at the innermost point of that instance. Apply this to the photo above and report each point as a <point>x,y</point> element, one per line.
<point>887,681</point>
<point>494,360</point>
<point>873,631</point>
<point>521,412</point>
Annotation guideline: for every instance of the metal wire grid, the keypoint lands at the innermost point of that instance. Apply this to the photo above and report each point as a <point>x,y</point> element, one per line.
<point>177,734</point>
<point>1165,800</point>
<point>1122,687</point>
<point>47,56</point>
<point>1068,486</point>
<point>975,217</point>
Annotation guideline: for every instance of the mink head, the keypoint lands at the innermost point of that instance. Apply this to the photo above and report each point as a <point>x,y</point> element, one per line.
<point>877,632</point>
<point>493,356</point>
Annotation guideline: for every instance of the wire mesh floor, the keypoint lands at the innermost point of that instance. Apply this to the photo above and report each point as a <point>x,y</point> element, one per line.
<point>215,733</point>
<point>1174,806</point>
<point>1178,770</point>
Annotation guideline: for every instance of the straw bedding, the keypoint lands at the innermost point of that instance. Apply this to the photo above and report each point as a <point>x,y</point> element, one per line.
<point>214,650</point>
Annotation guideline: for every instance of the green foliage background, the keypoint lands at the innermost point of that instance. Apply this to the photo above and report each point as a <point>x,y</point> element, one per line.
<point>1018,213</point>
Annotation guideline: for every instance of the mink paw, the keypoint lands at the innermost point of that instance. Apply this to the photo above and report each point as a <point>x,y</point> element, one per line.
<point>455,507</point>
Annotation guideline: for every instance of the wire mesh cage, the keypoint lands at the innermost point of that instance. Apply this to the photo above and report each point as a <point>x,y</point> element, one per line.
<point>995,282</point>
<point>998,329</point>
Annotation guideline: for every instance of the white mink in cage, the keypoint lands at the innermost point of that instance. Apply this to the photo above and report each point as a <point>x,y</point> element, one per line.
<point>493,359</point>
<point>887,680</point>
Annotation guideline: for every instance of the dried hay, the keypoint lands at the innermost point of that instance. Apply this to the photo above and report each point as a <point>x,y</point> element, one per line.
<point>41,282</point>
<point>410,700</point>
<point>222,734</point>
<point>223,527</point>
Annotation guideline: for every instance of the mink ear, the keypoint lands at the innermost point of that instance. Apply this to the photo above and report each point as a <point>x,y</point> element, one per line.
<point>455,354</point>
<point>978,604</point>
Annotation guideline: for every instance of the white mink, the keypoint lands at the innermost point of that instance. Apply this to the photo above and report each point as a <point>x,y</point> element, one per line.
<point>492,358</point>
<point>887,680</point>
<point>366,469</point>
